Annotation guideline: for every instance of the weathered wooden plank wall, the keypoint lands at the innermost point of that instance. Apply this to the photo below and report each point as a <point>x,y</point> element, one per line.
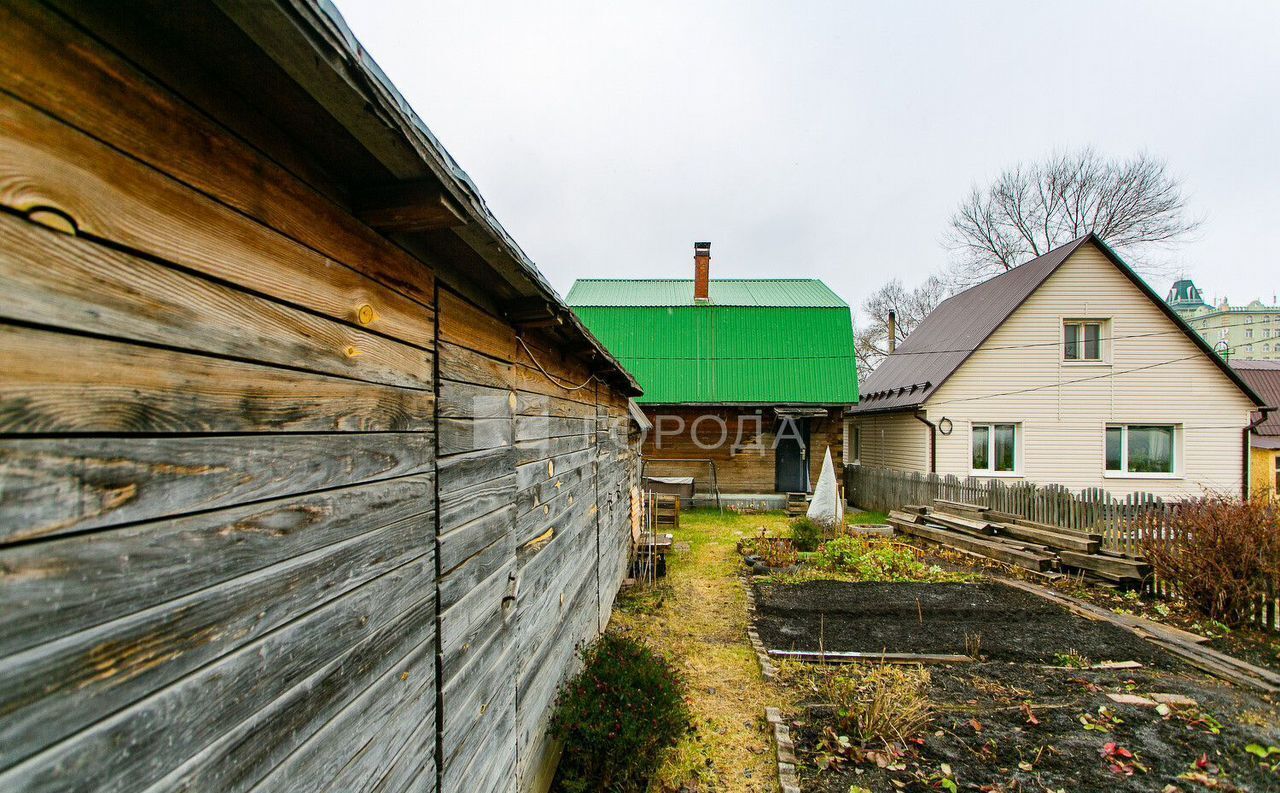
<point>267,519</point>
<point>530,550</point>
<point>217,484</point>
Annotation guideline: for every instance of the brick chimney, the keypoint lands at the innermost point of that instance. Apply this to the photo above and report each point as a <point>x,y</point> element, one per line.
<point>701,272</point>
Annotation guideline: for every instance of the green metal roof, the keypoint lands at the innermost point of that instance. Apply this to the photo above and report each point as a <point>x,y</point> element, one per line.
<point>782,292</point>
<point>681,353</point>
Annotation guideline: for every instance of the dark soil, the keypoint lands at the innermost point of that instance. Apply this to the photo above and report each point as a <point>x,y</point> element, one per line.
<point>992,620</point>
<point>981,732</point>
<point>1249,644</point>
<point>1246,643</point>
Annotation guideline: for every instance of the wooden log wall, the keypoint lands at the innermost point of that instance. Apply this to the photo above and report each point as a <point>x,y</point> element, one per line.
<point>748,468</point>
<point>266,520</point>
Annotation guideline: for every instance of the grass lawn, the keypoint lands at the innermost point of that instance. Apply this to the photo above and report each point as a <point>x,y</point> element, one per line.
<point>697,617</point>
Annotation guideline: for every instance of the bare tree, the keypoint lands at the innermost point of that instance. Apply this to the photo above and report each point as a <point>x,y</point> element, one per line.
<point>910,306</point>
<point>1134,205</point>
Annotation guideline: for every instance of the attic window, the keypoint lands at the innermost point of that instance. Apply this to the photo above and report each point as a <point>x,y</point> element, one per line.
<point>1083,340</point>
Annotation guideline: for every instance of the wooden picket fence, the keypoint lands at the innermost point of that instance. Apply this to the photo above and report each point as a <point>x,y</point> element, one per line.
<point>1125,523</point>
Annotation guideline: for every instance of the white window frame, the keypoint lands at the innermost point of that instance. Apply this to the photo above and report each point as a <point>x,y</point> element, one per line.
<point>991,449</point>
<point>1124,451</point>
<point>1104,341</point>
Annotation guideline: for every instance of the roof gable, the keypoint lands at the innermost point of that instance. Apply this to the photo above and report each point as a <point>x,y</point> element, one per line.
<point>961,324</point>
<point>799,351</point>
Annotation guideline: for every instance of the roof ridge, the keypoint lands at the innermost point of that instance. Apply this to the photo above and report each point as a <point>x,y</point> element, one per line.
<point>1072,245</point>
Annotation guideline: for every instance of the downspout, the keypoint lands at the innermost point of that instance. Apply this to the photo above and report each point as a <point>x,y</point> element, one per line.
<point>933,441</point>
<point>1247,449</point>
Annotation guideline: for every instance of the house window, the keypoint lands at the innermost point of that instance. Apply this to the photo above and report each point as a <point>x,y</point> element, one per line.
<point>1248,333</point>
<point>857,444</point>
<point>1081,340</point>
<point>994,449</point>
<point>1140,448</point>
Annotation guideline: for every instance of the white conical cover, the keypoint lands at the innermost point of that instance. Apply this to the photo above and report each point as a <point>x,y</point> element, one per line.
<point>825,509</point>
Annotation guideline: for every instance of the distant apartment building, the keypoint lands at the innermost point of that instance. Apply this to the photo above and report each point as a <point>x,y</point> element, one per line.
<point>1240,333</point>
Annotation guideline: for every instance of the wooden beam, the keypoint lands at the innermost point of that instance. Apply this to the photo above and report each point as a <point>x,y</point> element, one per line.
<point>419,205</point>
<point>532,313</point>
<point>999,551</point>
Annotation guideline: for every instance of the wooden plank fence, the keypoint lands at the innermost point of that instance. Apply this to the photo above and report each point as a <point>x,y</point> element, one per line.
<point>1125,523</point>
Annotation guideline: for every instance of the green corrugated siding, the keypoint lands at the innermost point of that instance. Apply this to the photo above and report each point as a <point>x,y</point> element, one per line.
<point>796,292</point>
<point>708,354</point>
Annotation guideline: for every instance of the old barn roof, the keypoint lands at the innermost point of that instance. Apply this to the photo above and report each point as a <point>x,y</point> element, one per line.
<point>757,341</point>
<point>960,324</point>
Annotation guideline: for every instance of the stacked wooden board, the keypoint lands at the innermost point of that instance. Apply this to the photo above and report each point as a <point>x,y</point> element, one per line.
<point>1017,541</point>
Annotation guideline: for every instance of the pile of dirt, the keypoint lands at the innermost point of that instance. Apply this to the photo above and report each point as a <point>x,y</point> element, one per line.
<point>992,620</point>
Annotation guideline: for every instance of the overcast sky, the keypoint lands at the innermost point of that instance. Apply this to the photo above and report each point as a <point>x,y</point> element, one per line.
<point>831,140</point>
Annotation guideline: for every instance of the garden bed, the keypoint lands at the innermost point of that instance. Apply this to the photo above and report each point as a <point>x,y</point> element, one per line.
<point>989,620</point>
<point>1032,712</point>
<point>1002,726</point>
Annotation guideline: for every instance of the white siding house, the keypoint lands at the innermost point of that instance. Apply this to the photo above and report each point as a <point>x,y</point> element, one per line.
<point>1066,370</point>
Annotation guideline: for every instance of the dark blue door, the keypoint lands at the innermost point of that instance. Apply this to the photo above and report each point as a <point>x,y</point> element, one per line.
<point>791,472</point>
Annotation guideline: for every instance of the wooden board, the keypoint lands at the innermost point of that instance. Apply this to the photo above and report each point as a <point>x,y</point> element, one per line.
<point>1113,568</point>
<point>60,383</point>
<point>96,577</point>
<point>980,527</point>
<point>994,550</point>
<point>97,671</point>
<point>46,164</point>
<point>92,88</point>
<point>282,683</point>
<point>1053,539</point>
<point>816,657</point>
<point>55,486</point>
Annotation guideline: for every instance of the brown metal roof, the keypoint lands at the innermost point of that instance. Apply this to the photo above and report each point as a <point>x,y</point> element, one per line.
<point>950,334</point>
<point>1264,378</point>
<point>962,322</point>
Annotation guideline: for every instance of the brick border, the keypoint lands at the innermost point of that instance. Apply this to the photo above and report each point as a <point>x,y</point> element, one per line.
<point>785,751</point>
<point>767,670</point>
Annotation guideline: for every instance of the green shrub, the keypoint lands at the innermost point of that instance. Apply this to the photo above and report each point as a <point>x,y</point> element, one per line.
<point>616,717</point>
<point>805,534</point>
<point>870,559</point>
